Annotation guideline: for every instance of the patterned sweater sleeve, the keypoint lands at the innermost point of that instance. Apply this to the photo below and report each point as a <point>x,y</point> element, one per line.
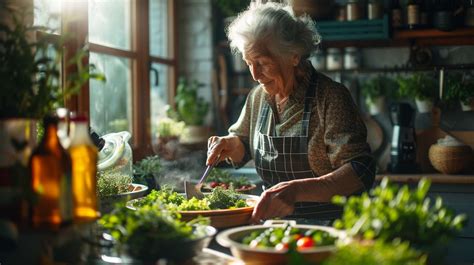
<point>242,127</point>
<point>345,134</point>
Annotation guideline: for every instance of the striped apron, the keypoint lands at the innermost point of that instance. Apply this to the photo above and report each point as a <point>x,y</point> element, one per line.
<point>284,158</point>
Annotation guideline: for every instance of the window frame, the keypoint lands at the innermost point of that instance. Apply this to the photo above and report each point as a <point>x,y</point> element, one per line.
<point>139,56</point>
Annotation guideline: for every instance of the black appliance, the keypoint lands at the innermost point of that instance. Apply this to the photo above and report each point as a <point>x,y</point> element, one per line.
<point>403,146</point>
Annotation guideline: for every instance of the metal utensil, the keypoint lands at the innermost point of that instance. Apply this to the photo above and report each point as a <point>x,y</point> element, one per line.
<point>192,190</point>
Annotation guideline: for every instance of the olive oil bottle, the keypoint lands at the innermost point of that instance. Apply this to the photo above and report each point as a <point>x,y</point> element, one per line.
<point>84,168</point>
<point>50,169</point>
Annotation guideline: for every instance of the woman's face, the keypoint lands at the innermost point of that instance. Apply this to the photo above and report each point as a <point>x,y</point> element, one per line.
<point>275,77</point>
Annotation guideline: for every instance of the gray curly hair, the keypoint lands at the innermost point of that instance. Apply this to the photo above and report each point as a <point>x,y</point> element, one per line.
<point>273,27</point>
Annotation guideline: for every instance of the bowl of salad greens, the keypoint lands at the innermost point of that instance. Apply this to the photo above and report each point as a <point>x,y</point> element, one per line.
<point>151,233</point>
<point>225,208</point>
<point>222,178</point>
<point>281,243</point>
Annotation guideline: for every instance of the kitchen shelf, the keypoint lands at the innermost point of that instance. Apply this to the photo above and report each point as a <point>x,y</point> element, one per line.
<point>403,69</point>
<point>420,37</point>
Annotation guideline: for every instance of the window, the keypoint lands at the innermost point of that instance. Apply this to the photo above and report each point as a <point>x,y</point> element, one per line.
<point>133,43</point>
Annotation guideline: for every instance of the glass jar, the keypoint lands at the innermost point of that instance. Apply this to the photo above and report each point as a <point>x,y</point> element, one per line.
<point>353,10</point>
<point>334,59</point>
<point>374,9</point>
<point>351,58</point>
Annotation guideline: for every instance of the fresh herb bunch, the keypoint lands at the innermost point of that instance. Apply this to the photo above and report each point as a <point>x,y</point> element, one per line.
<point>390,212</point>
<point>165,196</point>
<point>30,73</point>
<point>219,176</point>
<point>376,253</point>
<point>419,86</point>
<point>149,231</point>
<point>190,108</point>
<point>148,167</point>
<point>218,199</point>
<point>112,183</point>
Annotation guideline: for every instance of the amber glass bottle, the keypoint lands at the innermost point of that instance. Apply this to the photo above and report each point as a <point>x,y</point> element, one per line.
<point>84,168</point>
<point>50,169</point>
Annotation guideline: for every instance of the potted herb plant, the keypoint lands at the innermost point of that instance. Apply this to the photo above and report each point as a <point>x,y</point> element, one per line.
<point>192,110</point>
<point>459,89</point>
<point>146,171</point>
<point>168,132</point>
<point>375,91</point>
<point>421,87</point>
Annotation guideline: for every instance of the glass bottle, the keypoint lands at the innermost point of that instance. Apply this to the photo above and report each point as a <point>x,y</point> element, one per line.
<point>396,14</point>
<point>84,168</point>
<point>354,11</point>
<point>50,169</point>
<point>413,14</point>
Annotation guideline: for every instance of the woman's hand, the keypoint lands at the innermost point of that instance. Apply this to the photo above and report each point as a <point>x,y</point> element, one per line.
<point>220,148</point>
<point>278,201</point>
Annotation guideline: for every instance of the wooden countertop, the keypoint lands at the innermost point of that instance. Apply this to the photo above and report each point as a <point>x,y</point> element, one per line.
<point>434,177</point>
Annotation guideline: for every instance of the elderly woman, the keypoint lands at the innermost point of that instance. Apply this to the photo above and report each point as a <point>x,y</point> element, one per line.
<point>302,129</point>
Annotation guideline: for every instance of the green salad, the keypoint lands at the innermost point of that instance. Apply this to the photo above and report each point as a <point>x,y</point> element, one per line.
<point>221,178</point>
<point>219,198</point>
<point>288,238</point>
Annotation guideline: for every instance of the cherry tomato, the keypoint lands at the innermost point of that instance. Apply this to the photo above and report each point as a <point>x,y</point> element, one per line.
<point>281,246</point>
<point>304,243</point>
<point>214,184</point>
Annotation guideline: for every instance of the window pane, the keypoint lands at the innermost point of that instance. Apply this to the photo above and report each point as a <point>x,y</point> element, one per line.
<point>47,13</point>
<point>110,102</point>
<point>159,28</point>
<point>109,23</point>
<point>158,93</point>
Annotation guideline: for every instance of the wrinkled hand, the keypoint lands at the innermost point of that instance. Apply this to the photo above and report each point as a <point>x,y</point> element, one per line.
<point>278,201</point>
<point>221,148</point>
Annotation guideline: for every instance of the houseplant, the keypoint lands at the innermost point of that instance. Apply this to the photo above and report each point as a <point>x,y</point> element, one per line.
<point>390,213</point>
<point>459,89</point>
<point>375,91</point>
<point>168,132</point>
<point>192,110</point>
<point>421,87</point>
<point>146,171</point>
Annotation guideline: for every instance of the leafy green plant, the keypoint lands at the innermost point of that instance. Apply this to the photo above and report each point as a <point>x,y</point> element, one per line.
<point>112,183</point>
<point>169,128</point>
<point>376,253</point>
<point>29,72</point>
<point>378,87</point>
<point>219,198</point>
<point>390,212</point>
<point>146,169</point>
<point>190,108</point>
<point>420,86</point>
<point>149,232</point>
<point>230,8</point>
<point>458,88</point>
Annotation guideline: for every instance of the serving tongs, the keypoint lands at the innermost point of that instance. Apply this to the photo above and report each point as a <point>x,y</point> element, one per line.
<point>194,190</point>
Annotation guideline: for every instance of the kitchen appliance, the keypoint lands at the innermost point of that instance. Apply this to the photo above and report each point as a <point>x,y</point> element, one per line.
<point>403,147</point>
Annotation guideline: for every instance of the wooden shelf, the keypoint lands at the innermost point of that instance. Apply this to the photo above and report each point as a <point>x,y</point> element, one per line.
<point>403,69</point>
<point>421,37</point>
